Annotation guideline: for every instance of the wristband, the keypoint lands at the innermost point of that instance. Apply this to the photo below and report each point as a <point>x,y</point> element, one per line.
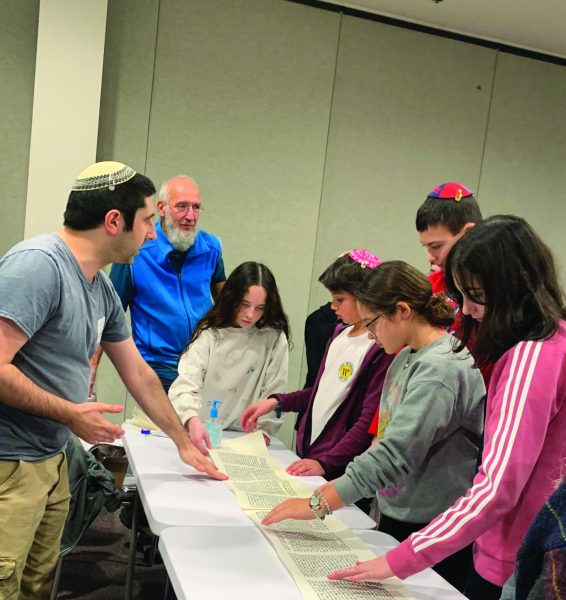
<point>319,506</point>
<point>325,504</point>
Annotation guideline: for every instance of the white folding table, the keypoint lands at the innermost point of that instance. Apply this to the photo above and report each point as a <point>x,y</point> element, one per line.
<point>174,494</point>
<point>240,564</point>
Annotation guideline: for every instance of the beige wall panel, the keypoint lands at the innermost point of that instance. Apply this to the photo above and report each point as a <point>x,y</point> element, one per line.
<point>66,105</point>
<point>18,44</point>
<point>524,170</point>
<point>127,81</point>
<point>241,103</point>
<point>409,112</point>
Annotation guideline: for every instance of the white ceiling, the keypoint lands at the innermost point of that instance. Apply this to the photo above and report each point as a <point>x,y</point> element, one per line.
<point>537,25</point>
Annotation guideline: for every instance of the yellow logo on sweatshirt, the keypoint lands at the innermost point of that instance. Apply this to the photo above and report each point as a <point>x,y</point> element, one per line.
<point>345,371</point>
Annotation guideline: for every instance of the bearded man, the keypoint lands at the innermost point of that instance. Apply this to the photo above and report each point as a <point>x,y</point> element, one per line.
<point>171,283</point>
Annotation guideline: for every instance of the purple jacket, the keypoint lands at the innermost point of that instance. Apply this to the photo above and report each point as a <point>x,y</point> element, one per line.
<point>345,436</point>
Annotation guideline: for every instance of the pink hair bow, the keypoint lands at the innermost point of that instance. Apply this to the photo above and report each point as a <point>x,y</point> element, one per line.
<point>364,258</point>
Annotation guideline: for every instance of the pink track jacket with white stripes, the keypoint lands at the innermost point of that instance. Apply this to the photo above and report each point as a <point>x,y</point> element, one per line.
<point>524,456</point>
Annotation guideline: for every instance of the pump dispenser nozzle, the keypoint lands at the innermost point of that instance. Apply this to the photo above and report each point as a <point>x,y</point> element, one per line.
<point>214,409</point>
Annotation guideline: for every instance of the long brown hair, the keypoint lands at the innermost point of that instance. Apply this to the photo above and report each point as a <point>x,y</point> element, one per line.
<point>223,313</point>
<point>396,281</point>
<point>519,286</point>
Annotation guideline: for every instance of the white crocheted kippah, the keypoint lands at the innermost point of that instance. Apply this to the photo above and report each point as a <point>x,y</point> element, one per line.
<point>101,175</point>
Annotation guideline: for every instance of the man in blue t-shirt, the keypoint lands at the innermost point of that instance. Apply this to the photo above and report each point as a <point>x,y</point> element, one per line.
<point>56,307</point>
<point>172,282</point>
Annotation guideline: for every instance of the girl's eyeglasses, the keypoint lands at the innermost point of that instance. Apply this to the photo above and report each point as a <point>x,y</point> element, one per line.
<point>368,325</point>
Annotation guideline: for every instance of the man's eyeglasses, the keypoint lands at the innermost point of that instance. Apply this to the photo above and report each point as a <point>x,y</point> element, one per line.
<point>183,208</point>
<point>368,325</point>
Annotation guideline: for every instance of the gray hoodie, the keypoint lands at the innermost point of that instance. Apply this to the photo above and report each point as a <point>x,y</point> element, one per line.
<point>430,425</point>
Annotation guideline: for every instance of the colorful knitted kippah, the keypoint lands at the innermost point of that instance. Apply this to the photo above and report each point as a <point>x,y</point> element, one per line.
<point>364,258</point>
<point>103,174</point>
<point>451,191</point>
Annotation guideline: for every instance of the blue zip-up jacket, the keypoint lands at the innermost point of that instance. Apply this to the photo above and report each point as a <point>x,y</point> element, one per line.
<point>166,305</point>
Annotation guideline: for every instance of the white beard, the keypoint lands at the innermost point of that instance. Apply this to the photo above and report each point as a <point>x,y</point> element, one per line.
<point>180,240</point>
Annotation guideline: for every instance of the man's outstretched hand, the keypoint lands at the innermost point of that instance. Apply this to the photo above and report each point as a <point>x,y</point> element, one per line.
<point>191,455</point>
<point>86,422</point>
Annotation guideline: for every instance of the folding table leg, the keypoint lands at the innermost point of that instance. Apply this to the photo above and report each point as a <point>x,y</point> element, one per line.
<point>167,588</point>
<point>132,553</point>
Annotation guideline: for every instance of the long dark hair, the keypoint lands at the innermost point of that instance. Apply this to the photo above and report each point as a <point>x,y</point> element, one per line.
<point>396,281</point>
<point>223,313</point>
<point>503,264</point>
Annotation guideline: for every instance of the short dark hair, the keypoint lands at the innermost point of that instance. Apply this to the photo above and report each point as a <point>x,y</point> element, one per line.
<point>223,313</point>
<point>448,213</point>
<point>516,272</point>
<point>396,281</point>
<point>86,210</point>
<point>344,275</point>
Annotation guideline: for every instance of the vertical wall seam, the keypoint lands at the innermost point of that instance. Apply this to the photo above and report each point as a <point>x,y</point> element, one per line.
<point>152,86</point>
<point>487,121</point>
<point>324,167</point>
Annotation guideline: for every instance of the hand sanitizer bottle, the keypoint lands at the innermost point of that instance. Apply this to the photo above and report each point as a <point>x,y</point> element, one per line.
<point>213,426</point>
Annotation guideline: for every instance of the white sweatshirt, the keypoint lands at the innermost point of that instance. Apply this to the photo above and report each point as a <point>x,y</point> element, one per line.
<point>235,365</point>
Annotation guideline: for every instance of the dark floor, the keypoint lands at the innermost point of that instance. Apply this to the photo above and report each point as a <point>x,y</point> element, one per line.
<point>96,569</point>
